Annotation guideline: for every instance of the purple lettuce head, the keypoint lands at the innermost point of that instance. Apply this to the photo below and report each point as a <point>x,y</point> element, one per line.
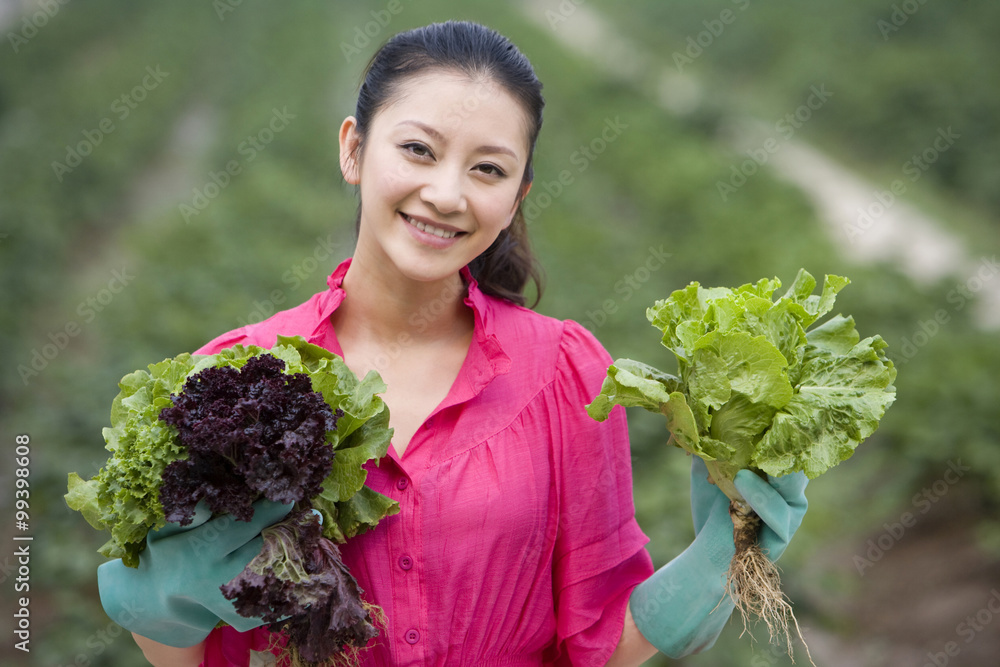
<point>248,433</point>
<point>299,584</point>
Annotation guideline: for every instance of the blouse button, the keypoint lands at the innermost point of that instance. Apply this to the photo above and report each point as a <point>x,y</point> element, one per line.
<point>411,636</point>
<point>405,562</point>
<point>402,483</point>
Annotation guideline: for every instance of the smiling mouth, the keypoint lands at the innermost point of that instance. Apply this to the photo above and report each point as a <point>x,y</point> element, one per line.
<point>429,229</point>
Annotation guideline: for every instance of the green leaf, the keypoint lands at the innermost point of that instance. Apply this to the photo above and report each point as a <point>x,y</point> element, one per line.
<point>684,309</point>
<point>124,495</point>
<point>739,424</point>
<point>837,336</point>
<point>82,497</point>
<point>816,306</point>
<point>838,403</point>
<point>715,450</point>
<point>363,512</point>
<point>682,425</point>
<point>741,363</point>
<point>632,384</point>
<point>370,441</point>
<point>309,355</point>
<point>342,390</point>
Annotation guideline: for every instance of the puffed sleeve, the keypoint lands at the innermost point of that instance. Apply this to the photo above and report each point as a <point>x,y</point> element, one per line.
<point>229,339</point>
<point>599,551</point>
<point>259,335</point>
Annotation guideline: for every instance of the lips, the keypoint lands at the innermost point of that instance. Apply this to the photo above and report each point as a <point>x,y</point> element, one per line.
<point>427,228</point>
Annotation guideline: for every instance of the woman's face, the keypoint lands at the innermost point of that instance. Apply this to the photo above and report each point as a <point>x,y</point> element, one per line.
<point>439,173</point>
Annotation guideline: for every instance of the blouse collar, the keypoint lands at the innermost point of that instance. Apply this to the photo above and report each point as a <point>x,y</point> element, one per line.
<point>486,358</point>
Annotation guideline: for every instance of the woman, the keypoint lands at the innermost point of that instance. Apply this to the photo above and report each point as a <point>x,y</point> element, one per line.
<point>516,543</point>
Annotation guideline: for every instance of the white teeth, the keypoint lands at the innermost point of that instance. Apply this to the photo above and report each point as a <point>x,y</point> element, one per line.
<point>436,231</point>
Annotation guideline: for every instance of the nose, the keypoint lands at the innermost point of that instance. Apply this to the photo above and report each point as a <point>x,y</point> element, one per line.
<point>443,190</point>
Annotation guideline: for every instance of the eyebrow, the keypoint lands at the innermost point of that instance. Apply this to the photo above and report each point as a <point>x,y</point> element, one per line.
<point>440,137</point>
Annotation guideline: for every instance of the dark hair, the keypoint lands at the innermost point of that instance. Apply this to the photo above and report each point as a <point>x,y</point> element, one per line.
<point>505,268</point>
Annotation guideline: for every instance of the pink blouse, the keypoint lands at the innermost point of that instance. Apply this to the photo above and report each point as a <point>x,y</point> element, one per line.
<point>516,543</point>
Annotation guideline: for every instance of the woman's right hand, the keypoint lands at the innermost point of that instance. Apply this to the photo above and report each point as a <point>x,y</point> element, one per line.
<point>173,597</point>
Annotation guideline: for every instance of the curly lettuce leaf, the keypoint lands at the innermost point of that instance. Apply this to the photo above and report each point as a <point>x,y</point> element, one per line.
<point>123,497</point>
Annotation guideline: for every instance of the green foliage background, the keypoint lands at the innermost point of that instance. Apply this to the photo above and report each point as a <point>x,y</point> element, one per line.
<point>273,233</point>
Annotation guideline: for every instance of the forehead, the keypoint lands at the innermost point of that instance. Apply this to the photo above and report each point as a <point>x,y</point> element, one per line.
<point>458,107</point>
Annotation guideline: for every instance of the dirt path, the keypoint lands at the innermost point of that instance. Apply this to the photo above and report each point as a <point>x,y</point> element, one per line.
<point>871,224</point>
<point>867,221</point>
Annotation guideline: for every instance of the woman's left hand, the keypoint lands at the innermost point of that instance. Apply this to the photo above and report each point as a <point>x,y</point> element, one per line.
<point>781,504</point>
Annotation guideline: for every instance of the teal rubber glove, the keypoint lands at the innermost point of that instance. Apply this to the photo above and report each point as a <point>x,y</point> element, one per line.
<point>173,597</point>
<point>684,606</point>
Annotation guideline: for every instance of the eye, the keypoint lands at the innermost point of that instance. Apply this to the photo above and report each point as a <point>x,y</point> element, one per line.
<point>491,170</point>
<point>417,149</point>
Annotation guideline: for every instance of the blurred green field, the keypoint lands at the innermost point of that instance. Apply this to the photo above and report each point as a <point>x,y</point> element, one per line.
<point>124,240</point>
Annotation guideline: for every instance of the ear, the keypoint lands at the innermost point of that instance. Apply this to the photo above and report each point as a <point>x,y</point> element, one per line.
<point>525,189</point>
<point>350,142</point>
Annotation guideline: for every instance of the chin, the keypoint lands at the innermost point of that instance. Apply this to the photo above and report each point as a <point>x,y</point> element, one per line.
<point>428,271</point>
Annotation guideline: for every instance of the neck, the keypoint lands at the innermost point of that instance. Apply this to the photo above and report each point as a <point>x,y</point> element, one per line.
<point>384,306</point>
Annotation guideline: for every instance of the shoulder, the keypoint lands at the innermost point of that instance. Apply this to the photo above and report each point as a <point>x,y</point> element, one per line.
<point>553,348</point>
<point>301,320</point>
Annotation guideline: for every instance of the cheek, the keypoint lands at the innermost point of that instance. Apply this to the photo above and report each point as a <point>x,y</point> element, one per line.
<point>386,178</point>
<point>503,208</point>
<point>387,186</point>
